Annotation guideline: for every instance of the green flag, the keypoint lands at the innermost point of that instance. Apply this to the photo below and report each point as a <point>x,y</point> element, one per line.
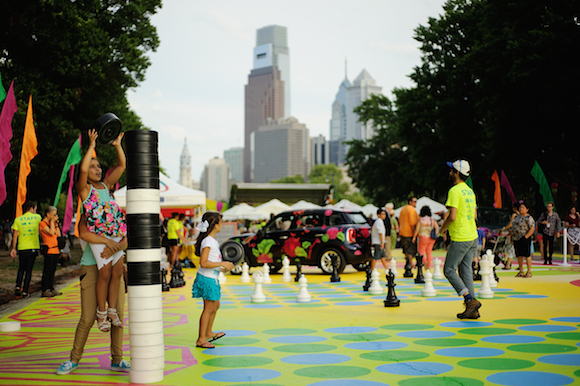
<point>2,90</point>
<point>73,158</point>
<point>540,178</point>
<point>469,182</point>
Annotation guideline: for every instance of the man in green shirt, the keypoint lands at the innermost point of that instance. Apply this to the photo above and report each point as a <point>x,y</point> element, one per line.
<point>25,234</point>
<point>463,234</point>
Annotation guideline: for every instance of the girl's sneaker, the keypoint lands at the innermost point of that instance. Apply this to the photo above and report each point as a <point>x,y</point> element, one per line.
<point>121,366</point>
<point>66,368</point>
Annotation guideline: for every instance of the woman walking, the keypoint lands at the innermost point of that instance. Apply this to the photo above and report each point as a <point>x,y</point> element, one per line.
<point>523,227</point>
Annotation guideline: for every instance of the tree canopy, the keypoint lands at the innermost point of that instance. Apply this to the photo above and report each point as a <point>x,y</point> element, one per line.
<point>498,86</point>
<point>77,59</point>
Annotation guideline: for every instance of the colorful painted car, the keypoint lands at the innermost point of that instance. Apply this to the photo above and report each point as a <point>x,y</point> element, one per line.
<point>311,237</point>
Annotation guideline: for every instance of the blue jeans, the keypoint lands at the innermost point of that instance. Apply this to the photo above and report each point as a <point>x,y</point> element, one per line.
<point>459,256</point>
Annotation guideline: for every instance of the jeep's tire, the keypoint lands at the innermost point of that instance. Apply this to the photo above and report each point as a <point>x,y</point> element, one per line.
<point>325,261</point>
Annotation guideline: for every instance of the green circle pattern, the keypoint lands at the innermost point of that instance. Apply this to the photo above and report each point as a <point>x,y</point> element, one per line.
<point>332,372</point>
<point>565,335</point>
<point>238,361</point>
<point>541,348</point>
<point>445,342</point>
<point>361,337</point>
<point>438,381</point>
<point>237,341</point>
<point>394,355</point>
<point>407,327</point>
<point>499,364</point>
<point>289,331</point>
<point>520,321</point>
<point>487,331</point>
<point>304,348</point>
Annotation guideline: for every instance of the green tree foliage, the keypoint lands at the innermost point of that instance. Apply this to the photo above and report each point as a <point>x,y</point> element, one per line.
<point>497,85</point>
<point>297,179</point>
<point>77,59</point>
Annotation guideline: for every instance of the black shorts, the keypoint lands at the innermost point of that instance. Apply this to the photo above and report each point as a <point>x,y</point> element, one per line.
<point>522,247</point>
<point>379,253</point>
<point>408,247</point>
<point>173,242</point>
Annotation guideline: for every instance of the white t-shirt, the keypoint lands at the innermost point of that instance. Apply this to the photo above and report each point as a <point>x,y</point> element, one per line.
<point>215,256</point>
<point>378,229</point>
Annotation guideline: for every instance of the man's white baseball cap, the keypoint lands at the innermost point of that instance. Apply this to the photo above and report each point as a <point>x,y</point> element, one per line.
<point>461,165</point>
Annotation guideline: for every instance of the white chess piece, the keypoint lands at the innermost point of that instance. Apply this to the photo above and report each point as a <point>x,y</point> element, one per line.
<point>303,295</point>
<point>428,290</point>
<point>393,267</point>
<point>492,281</point>
<point>485,291</point>
<point>437,272</point>
<point>222,278</point>
<point>267,278</point>
<point>245,278</point>
<point>258,295</point>
<point>286,277</point>
<point>375,288</point>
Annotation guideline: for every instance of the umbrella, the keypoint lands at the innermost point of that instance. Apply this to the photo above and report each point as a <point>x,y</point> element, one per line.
<point>274,206</point>
<point>241,211</point>
<point>302,204</point>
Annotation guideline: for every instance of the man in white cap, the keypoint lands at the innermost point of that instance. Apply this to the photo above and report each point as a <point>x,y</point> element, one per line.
<point>463,234</point>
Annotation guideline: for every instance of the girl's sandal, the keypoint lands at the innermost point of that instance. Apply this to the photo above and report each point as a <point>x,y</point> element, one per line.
<point>102,322</point>
<point>114,317</point>
<point>529,274</point>
<point>520,274</point>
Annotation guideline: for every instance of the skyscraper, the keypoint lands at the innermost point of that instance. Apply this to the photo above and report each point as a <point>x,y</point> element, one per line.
<point>268,88</point>
<point>215,180</point>
<point>235,159</point>
<point>185,166</point>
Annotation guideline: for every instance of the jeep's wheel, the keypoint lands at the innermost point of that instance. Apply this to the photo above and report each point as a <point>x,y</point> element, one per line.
<point>326,261</point>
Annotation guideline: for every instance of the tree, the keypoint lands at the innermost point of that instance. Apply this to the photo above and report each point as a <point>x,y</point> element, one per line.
<point>77,60</point>
<point>297,179</point>
<point>497,85</point>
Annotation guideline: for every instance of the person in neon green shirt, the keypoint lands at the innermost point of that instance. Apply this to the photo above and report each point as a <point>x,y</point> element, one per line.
<point>26,234</point>
<point>174,234</point>
<point>460,221</point>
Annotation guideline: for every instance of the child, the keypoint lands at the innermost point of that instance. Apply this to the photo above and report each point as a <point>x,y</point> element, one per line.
<point>206,283</point>
<point>104,218</point>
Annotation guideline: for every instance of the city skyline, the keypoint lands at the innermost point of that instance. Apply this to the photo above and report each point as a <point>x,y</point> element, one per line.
<point>195,85</point>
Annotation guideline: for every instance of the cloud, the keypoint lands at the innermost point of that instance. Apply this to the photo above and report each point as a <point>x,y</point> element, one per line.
<point>234,26</point>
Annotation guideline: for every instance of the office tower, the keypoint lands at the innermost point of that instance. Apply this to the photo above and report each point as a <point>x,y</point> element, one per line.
<point>320,150</point>
<point>185,166</point>
<point>281,148</point>
<point>235,158</point>
<point>215,180</point>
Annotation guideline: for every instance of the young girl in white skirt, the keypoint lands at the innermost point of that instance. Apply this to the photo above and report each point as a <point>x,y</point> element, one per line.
<point>206,285</point>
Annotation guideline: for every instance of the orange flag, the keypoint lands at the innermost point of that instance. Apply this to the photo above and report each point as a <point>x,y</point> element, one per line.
<point>497,193</point>
<point>29,151</point>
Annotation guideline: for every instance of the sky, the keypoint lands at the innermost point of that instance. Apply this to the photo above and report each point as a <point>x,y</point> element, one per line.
<point>194,88</point>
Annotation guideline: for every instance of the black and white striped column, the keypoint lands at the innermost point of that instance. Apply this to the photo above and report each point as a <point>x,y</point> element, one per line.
<point>144,258</point>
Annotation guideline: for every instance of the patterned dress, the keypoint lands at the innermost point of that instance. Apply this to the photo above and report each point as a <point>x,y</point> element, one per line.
<point>104,216</point>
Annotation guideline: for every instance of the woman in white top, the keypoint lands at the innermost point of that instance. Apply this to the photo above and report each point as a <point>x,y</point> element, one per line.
<point>206,283</point>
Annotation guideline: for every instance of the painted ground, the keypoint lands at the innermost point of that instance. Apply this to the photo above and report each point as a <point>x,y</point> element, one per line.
<point>527,335</point>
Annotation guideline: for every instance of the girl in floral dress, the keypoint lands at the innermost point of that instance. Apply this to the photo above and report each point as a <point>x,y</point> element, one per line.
<point>105,218</point>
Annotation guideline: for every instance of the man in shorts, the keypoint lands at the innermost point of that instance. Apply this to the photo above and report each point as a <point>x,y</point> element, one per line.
<point>407,220</point>
<point>378,237</point>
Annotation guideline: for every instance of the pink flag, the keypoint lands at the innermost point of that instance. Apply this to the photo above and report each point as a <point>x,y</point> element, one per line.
<point>508,188</point>
<point>5,136</point>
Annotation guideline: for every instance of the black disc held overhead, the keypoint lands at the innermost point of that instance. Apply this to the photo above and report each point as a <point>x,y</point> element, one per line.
<point>108,126</point>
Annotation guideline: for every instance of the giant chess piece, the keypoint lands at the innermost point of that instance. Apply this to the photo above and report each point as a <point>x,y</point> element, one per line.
<point>493,280</point>
<point>393,267</point>
<point>176,276</point>
<point>476,273</point>
<point>222,278</point>
<point>375,288</point>
<point>392,300</point>
<point>286,277</point>
<point>437,272</point>
<point>298,271</point>
<point>334,278</point>
<point>419,278</point>
<point>180,274</point>
<point>485,291</point>
<point>408,268</point>
<point>303,295</point>
<point>245,276</point>
<point>428,290</point>
<point>164,286</point>
<point>258,295</point>
<point>266,270</point>
<point>369,272</point>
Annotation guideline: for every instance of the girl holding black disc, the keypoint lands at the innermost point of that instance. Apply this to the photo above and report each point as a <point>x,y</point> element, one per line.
<point>105,218</point>
<point>206,283</point>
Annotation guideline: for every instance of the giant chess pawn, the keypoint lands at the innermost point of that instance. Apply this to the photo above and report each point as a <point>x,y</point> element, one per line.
<point>298,271</point>
<point>222,278</point>
<point>286,277</point>
<point>428,290</point>
<point>393,267</point>
<point>245,277</point>
<point>368,272</point>
<point>164,286</point>
<point>419,278</point>
<point>266,270</point>
<point>258,295</point>
<point>375,288</point>
<point>392,300</point>
<point>334,278</point>
<point>491,258</point>
<point>485,291</point>
<point>437,272</point>
<point>303,295</point>
<point>408,268</point>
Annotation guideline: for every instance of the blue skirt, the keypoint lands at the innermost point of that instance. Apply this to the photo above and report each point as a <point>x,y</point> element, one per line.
<point>206,288</point>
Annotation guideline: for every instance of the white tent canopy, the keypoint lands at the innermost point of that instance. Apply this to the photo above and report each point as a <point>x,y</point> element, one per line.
<point>172,195</point>
<point>302,204</point>
<point>274,206</point>
<point>241,211</point>
<point>370,210</point>
<point>347,205</point>
<point>437,208</point>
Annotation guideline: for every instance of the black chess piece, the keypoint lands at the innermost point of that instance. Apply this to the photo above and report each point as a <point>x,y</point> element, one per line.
<point>408,267</point>
<point>392,300</point>
<point>174,282</point>
<point>164,286</point>
<point>334,278</point>
<point>476,275</point>
<point>419,278</point>
<point>298,271</point>
<point>369,272</point>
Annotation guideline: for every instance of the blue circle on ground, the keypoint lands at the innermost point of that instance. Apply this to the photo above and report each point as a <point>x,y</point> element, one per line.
<point>241,375</point>
<point>335,296</point>
<point>561,359</point>
<point>297,339</point>
<point>465,324</point>
<point>232,333</point>
<point>350,330</point>
<point>527,296</point>
<point>426,334</point>
<point>568,319</point>
<point>547,328</point>
<point>509,339</point>
<point>411,292</point>
<point>526,378</point>
<point>502,289</point>
<point>375,346</point>
<point>347,382</point>
<point>353,303</point>
<point>234,350</point>
<point>294,301</point>
<point>444,299</point>
<point>263,306</point>
<point>315,359</point>
<point>469,352</point>
<point>415,368</point>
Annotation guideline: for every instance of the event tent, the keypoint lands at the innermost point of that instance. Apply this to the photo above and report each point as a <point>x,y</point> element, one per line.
<point>173,198</point>
<point>303,204</point>
<point>241,211</point>
<point>347,205</point>
<point>274,206</point>
<point>370,210</point>
<point>437,208</point>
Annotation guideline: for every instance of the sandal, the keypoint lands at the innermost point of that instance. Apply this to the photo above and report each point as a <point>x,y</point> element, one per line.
<point>114,317</point>
<point>205,345</point>
<point>520,274</point>
<point>529,274</point>
<point>102,322</point>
